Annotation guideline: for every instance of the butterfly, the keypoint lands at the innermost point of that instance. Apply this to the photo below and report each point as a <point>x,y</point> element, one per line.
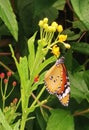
<point>57,81</point>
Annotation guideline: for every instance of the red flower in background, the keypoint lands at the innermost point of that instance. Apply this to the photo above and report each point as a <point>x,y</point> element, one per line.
<point>2,75</point>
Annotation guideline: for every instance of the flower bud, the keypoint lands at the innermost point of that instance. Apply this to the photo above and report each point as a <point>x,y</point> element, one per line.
<point>5,81</point>
<point>9,73</point>
<point>14,83</point>
<point>41,23</point>
<point>36,79</point>
<point>54,24</point>
<point>2,75</point>
<point>60,28</point>
<point>15,100</point>
<point>45,20</point>
<point>67,45</point>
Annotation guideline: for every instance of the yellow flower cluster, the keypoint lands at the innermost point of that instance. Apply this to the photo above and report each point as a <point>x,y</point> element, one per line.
<point>50,28</point>
<point>47,34</point>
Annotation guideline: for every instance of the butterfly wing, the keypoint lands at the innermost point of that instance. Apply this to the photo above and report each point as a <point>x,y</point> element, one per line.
<point>57,82</point>
<point>64,95</point>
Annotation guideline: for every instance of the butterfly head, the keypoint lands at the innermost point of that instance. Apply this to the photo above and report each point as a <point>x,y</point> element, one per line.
<point>60,61</point>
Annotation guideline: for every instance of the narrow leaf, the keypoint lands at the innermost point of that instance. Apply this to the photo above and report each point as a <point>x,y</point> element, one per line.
<point>31,56</point>
<point>16,127</point>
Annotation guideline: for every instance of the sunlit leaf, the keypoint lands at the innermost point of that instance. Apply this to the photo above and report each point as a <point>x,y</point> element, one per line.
<point>8,16</point>
<point>4,121</point>
<point>81,8</point>
<point>31,48</point>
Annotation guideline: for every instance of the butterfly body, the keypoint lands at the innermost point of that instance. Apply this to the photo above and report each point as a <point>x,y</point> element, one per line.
<point>57,81</point>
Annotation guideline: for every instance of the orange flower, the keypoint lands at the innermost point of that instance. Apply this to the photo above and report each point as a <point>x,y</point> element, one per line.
<point>56,50</point>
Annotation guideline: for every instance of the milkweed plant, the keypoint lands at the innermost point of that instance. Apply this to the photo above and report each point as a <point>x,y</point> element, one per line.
<point>31,70</point>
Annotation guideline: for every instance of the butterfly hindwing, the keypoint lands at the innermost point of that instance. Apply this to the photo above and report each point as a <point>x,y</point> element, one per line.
<point>57,81</point>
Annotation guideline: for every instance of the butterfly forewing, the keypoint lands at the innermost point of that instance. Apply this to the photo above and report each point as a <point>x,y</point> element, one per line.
<point>53,79</point>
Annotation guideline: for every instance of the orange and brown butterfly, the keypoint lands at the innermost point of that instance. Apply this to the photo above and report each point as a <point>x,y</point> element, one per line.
<point>57,81</point>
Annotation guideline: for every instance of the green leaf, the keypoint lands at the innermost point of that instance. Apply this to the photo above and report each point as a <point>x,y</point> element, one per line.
<point>81,8</point>
<point>60,120</point>
<point>78,86</point>
<point>4,122</point>
<point>59,4</point>
<point>40,119</point>
<point>23,69</point>
<point>81,47</point>
<point>4,30</point>
<point>23,73</point>
<point>80,25</point>
<point>45,63</point>
<point>31,48</point>
<point>68,59</point>
<point>71,34</point>
<point>17,124</point>
<point>42,5</point>
<point>86,77</point>
<point>8,16</point>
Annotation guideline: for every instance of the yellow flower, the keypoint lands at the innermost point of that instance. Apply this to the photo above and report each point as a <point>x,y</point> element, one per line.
<point>59,28</point>
<point>45,26</point>
<point>45,20</point>
<point>62,38</point>
<point>50,28</point>
<point>54,24</point>
<point>41,23</point>
<point>56,50</point>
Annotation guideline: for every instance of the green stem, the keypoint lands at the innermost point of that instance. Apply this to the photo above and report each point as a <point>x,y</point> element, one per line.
<point>39,95</point>
<point>4,95</point>
<point>10,93</point>
<point>3,98</point>
<point>23,121</point>
<point>81,112</point>
<point>1,88</point>
<point>54,43</point>
<point>18,104</point>
<point>6,67</point>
